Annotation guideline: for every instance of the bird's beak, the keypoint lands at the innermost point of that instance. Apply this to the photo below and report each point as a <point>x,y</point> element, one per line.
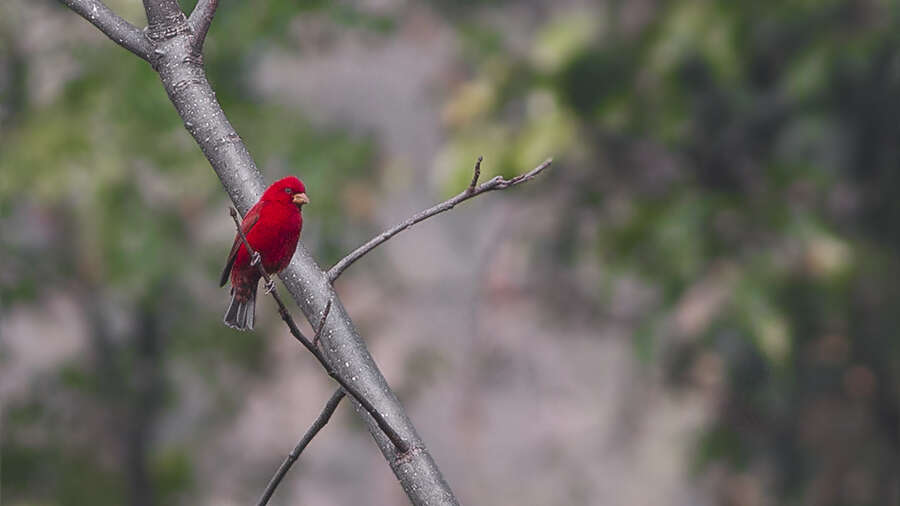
<point>300,199</point>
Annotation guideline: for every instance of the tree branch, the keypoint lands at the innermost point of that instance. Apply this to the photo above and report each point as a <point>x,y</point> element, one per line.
<point>185,82</point>
<point>292,457</point>
<point>401,445</point>
<point>496,183</point>
<point>200,21</point>
<point>120,31</point>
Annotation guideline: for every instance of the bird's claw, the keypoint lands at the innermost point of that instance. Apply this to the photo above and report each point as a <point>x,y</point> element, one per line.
<point>255,259</point>
<point>270,286</point>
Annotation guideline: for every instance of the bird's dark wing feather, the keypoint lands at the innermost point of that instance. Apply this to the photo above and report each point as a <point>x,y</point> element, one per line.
<point>250,220</point>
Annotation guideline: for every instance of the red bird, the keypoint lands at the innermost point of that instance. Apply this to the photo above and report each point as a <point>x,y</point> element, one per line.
<point>272,227</point>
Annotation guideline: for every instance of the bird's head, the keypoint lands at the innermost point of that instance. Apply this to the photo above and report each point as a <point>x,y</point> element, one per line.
<point>287,190</point>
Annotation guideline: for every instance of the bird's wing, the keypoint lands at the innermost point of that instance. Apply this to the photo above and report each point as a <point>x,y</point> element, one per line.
<point>249,220</point>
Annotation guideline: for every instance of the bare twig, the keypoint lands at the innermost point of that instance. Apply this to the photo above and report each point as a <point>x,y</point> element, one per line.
<point>200,21</point>
<point>312,431</point>
<point>401,444</point>
<point>292,457</point>
<point>476,173</point>
<point>496,183</point>
<point>321,324</point>
<point>120,31</point>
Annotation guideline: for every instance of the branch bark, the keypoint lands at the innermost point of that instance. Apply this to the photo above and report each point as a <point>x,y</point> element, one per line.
<point>162,12</point>
<point>200,21</point>
<point>184,79</point>
<point>497,183</point>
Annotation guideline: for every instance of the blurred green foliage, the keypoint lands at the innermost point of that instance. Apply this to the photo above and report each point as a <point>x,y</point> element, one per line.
<point>744,147</point>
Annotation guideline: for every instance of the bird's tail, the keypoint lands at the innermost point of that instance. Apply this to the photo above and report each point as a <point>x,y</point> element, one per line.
<point>241,311</point>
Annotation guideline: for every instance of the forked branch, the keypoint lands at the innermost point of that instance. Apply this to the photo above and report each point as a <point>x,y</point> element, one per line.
<point>172,43</point>
<point>400,444</point>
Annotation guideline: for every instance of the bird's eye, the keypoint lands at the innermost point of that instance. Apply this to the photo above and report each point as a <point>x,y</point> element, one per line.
<point>288,191</point>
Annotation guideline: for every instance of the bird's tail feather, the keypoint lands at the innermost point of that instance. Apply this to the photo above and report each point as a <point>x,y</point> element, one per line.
<point>241,312</point>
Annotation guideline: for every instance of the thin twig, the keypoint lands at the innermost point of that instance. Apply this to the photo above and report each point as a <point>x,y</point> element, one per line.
<point>496,183</point>
<point>120,31</point>
<point>320,422</point>
<point>475,174</point>
<point>400,444</point>
<point>321,324</point>
<point>292,457</point>
<point>200,21</point>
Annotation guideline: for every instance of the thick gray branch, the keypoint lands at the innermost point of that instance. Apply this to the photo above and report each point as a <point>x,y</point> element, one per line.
<point>184,80</point>
<point>120,31</point>
<point>497,183</point>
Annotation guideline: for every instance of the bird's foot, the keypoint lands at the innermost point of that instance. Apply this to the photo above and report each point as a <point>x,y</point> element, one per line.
<point>255,259</point>
<point>270,286</point>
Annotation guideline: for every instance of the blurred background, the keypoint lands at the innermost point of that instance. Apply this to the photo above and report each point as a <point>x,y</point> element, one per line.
<point>696,305</point>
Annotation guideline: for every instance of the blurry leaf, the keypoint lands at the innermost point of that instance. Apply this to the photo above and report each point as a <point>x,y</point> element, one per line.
<point>550,130</point>
<point>595,78</point>
<point>563,37</point>
<point>472,100</point>
<point>173,475</point>
<point>695,28</point>
<point>720,443</point>
<point>806,76</point>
